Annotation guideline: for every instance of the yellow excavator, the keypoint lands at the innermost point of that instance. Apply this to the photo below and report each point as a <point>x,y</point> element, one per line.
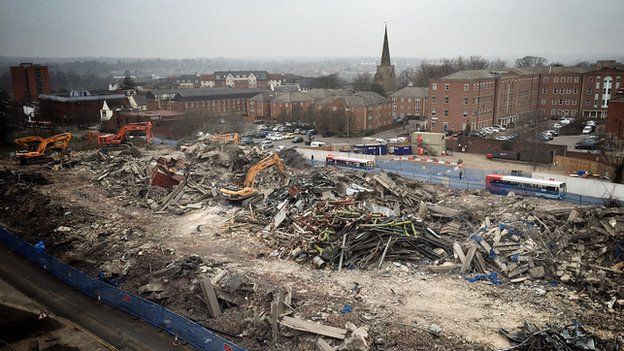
<point>43,150</point>
<point>248,194</point>
<point>226,138</point>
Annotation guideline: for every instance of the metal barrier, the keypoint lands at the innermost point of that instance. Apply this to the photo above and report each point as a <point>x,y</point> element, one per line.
<point>150,312</point>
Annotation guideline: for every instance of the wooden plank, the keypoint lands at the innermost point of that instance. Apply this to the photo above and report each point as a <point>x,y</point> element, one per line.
<point>322,345</point>
<point>314,328</point>
<point>466,265</point>
<point>211,297</point>
<point>459,252</point>
<point>276,311</point>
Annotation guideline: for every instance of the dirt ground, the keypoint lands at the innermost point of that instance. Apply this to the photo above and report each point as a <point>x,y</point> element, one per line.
<point>400,302</point>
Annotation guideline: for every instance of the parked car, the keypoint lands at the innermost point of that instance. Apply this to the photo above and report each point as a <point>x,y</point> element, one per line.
<point>545,136</point>
<point>501,128</point>
<point>317,143</point>
<point>564,121</point>
<point>266,144</point>
<point>557,126</point>
<point>590,123</point>
<point>401,140</point>
<point>553,132</point>
<point>276,137</point>
<point>327,134</point>
<point>297,140</point>
<point>299,131</point>
<point>476,134</point>
<point>586,144</point>
<point>312,132</point>
<point>262,127</point>
<point>502,137</point>
<point>381,141</point>
<point>588,129</point>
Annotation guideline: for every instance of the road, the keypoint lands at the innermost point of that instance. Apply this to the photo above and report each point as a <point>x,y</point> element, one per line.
<point>113,326</point>
<point>570,141</point>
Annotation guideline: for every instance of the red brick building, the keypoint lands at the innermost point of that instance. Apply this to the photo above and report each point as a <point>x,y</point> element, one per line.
<point>165,124</point>
<point>559,90</point>
<point>615,117</point>
<point>210,101</point>
<point>259,106</point>
<point>354,114</point>
<point>410,102</point>
<point>599,85</point>
<point>79,109</point>
<point>29,81</point>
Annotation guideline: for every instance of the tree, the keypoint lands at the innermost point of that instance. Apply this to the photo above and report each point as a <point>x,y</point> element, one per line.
<point>331,81</point>
<point>531,61</point>
<point>497,63</point>
<point>406,77</point>
<point>378,89</point>
<point>530,129</point>
<point>583,64</point>
<point>363,82</point>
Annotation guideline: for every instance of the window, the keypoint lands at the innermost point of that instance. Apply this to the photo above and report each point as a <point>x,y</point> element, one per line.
<point>466,87</point>
<point>574,101</point>
<point>543,102</point>
<point>544,91</point>
<point>434,86</point>
<point>409,100</point>
<point>567,101</point>
<point>446,112</point>
<point>555,90</point>
<point>402,99</point>
<point>465,101</point>
<point>568,91</point>
<point>447,87</point>
<point>556,79</point>
<point>589,90</point>
<point>446,99</point>
<point>554,101</point>
<point>569,79</point>
<point>553,112</point>
<point>587,103</point>
<point>545,80</point>
<point>433,112</point>
<point>433,99</point>
<point>576,79</point>
<point>560,101</point>
<point>575,91</point>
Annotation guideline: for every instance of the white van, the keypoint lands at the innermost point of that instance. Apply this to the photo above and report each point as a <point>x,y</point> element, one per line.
<point>317,143</point>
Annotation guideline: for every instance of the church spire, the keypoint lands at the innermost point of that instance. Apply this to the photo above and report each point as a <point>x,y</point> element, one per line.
<point>385,53</point>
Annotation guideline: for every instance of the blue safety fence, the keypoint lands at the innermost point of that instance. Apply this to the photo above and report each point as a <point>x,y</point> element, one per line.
<point>148,311</point>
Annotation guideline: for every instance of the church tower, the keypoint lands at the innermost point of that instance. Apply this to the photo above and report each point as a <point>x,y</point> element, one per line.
<point>385,76</point>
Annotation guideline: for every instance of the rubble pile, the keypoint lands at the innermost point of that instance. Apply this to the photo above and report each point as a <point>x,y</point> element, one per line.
<point>558,338</point>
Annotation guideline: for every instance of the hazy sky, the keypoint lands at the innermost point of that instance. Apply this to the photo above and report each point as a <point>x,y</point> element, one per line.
<point>306,28</point>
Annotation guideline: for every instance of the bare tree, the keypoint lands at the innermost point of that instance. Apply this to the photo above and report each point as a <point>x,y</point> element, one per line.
<point>331,81</point>
<point>531,61</point>
<point>497,63</point>
<point>406,77</point>
<point>363,82</point>
<point>531,128</point>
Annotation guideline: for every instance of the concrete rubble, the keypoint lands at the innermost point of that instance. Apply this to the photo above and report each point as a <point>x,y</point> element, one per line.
<point>328,220</point>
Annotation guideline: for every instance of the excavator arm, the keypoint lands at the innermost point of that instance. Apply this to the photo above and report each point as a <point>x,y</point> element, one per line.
<point>55,142</point>
<point>120,136</point>
<point>229,137</point>
<point>26,142</point>
<point>248,191</point>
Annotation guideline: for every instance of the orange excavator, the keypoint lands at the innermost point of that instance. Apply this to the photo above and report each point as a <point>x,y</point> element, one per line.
<point>248,194</point>
<point>227,138</point>
<point>120,137</point>
<point>44,148</point>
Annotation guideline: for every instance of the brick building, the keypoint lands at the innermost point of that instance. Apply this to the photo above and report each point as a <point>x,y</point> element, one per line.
<point>188,81</point>
<point>294,106</point>
<point>211,101</point>
<point>259,106</point>
<point>615,117</point>
<point>242,79</point>
<point>510,94</point>
<point>410,102</point>
<point>29,81</point>
<point>165,124</point>
<point>355,113</point>
<point>79,109</point>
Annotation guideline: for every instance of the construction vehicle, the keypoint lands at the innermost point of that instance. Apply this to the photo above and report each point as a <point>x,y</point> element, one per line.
<point>227,138</point>
<point>44,149</point>
<point>119,139</point>
<point>248,194</point>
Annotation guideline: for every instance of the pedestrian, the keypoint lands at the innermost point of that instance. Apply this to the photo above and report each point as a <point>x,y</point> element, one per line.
<point>460,174</point>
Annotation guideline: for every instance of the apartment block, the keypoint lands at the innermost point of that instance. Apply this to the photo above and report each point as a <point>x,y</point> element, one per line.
<point>29,81</point>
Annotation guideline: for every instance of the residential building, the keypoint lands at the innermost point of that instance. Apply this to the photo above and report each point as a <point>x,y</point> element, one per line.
<point>29,81</point>
<point>242,79</point>
<point>410,102</point>
<point>275,80</point>
<point>207,81</point>
<point>210,101</point>
<point>188,81</point>
<point>599,85</point>
<point>259,106</point>
<point>165,124</point>
<point>353,114</point>
<point>79,108</point>
<point>463,100</point>
<point>385,75</point>
<point>615,117</point>
<point>294,106</point>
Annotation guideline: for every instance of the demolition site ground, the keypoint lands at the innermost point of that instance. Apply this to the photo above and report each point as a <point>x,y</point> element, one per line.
<point>389,263</point>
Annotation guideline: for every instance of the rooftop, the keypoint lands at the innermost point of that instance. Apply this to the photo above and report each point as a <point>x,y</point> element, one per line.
<point>419,92</point>
<point>82,98</point>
